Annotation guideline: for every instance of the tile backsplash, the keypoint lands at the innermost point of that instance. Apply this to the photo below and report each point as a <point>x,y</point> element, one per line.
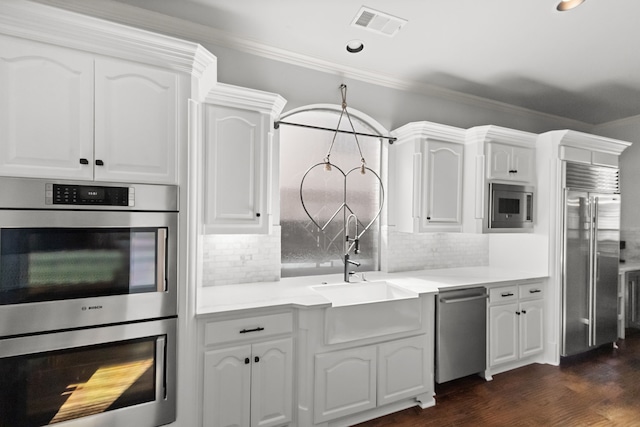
<point>233,259</point>
<point>240,258</point>
<point>424,251</point>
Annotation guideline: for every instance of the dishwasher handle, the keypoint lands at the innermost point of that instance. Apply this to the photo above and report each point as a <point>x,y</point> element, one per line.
<point>463,299</point>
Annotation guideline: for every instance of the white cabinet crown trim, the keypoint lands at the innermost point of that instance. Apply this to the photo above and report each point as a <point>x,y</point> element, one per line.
<point>429,130</point>
<point>588,141</point>
<point>52,25</point>
<point>499,134</point>
<point>241,97</point>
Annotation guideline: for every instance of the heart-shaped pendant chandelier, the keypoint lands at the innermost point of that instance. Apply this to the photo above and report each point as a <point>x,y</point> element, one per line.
<point>342,206</point>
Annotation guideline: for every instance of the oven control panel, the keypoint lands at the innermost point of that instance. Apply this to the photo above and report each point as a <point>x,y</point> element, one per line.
<point>64,194</point>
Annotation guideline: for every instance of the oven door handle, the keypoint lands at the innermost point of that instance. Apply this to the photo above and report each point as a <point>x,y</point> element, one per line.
<point>162,260</point>
<point>161,373</point>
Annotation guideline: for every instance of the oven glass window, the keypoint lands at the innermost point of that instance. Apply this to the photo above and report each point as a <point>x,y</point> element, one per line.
<point>508,206</point>
<point>48,388</point>
<point>44,264</point>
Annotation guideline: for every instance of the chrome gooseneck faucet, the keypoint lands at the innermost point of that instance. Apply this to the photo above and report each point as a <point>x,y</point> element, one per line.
<point>350,243</point>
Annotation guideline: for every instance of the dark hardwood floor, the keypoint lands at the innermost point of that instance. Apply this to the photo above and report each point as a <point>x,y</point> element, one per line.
<point>598,388</point>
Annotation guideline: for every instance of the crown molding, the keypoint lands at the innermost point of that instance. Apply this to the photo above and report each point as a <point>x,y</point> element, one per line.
<point>587,141</point>
<point>429,130</point>
<point>493,133</point>
<point>154,21</point>
<point>240,97</point>
<point>48,24</point>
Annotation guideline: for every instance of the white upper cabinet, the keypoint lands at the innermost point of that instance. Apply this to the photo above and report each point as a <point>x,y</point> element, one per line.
<point>240,159</point>
<point>510,163</point>
<point>135,122</point>
<point>117,113</point>
<point>425,178</point>
<point>46,110</point>
<point>70,114</point>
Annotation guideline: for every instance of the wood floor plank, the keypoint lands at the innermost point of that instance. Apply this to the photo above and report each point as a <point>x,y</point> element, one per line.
<point>600,388</point>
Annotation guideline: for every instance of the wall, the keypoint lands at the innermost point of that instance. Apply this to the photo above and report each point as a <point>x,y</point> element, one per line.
<point>628,130</point>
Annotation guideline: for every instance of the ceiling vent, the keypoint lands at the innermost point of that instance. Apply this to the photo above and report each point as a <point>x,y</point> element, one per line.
<point>378,22</point>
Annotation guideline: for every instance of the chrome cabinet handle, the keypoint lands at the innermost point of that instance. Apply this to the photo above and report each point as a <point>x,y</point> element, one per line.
<point>534,291</point>
<point>506,294</point>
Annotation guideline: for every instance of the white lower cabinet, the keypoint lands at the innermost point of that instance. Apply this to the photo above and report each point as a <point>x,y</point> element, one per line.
<point>354,380</point>
<point>516,323</point>
<point>249,384</point>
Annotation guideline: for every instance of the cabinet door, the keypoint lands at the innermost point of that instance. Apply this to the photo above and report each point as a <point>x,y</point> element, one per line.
<point>522,162</point>
<point>403,369</point>
<point>227,387</point>
<point>499,161</point>
<point>503,333</point>
<point>442,199</point>
<point>531,328</point>
<point>235,171</point>
<point>135,123</point>
<point>46,111</point>
<point>272,383</point>
<point>345,383</point>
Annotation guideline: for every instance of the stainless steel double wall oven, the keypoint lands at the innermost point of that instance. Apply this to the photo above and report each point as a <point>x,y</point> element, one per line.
<point>88,303</point>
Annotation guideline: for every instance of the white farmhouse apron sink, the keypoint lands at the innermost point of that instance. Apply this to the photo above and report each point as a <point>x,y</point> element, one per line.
<point>367,310</point>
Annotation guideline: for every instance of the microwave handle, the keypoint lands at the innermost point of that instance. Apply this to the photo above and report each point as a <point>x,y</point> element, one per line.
<point>529,207</point>
<point>162,260</point>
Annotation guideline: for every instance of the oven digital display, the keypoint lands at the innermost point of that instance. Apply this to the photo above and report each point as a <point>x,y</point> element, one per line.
<point>90,195</point>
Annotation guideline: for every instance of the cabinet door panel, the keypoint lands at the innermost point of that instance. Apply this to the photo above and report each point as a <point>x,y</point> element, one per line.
<point>531,328</point>
<point>403,369</point>
<point>443,183</point>
<point>234,170</point>
<point>46,110</point>
<point>345,383</point>
<point>227,387</point>
<point>503,334</point>
<point>271,383</point>
<point>522,161</point>
<point>499,161</point>
<point>136,122</point>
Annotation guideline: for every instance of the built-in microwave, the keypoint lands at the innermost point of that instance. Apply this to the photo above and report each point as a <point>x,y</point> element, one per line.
<point>510,208</point>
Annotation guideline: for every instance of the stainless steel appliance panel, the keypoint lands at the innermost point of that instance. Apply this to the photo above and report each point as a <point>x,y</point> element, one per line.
<point>121,375</point>
<point>32,193</point>
<point>510,208</point>
<point>577,276</point>
<point>461,331</point>
<point>606,261</point>
<point>31,304</point>
<point>590,261</point>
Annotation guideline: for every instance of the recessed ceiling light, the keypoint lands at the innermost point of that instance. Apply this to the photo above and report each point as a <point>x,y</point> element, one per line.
<point>569,4</point>
<point>355,46</point>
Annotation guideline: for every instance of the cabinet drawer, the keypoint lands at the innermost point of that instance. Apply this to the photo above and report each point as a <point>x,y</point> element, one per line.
<point>247,328</point>
<point>503,294</point>
<point>531,290</point>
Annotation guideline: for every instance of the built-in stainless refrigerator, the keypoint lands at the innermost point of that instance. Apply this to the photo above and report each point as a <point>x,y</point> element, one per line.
<point>590,257</point>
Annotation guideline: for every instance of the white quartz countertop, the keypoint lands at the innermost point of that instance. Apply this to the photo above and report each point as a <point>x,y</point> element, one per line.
<point>298,292</point>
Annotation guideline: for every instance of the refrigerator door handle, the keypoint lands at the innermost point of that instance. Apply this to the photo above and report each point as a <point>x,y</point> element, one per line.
<point>594,271</point>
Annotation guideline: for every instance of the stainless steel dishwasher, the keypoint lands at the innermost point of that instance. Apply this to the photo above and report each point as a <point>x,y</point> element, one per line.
<point>461,333</point>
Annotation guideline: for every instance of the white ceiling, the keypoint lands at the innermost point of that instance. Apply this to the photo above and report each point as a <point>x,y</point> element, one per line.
<point>583,64</point>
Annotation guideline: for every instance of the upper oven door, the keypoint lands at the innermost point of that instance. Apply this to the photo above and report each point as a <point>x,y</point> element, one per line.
<point>68,269</point>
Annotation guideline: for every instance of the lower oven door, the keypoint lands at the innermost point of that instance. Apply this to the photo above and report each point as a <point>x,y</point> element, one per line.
<point>122,375</point>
